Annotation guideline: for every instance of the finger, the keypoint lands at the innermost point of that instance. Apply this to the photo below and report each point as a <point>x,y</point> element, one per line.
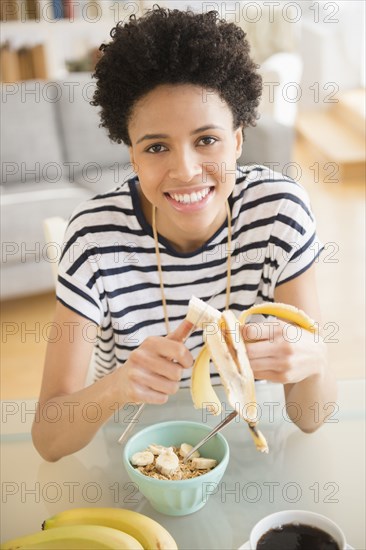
<point>158,383</point>
<point>160,346</point>
<point>143,394</point>
<point>254,332</point>
<point>261,349</point>
<point>181,332</point>
<point>263,365</point>
<point>269,375</point>
<point>170,369</point>
<point>175,352</point>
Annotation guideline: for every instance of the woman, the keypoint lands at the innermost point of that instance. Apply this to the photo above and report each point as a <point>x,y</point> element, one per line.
<point>179,89</point>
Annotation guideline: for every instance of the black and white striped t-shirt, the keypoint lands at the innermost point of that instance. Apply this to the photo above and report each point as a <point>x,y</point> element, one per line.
<point>108,271</point>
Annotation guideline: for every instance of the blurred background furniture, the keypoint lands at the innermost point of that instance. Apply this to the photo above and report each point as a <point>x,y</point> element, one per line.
<point>54,156</point>
<point>54,231</point>
<point>328,38</point>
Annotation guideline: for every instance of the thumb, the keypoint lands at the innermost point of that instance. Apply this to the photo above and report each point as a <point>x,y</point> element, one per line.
<point>181,332</point>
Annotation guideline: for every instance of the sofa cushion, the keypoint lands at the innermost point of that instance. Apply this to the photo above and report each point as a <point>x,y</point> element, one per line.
<point>85,143</point>
<point>24,279</point>
<point>30,147</point>
<point>99,179</point>
<point>23,208</point>
<point>269,143</point>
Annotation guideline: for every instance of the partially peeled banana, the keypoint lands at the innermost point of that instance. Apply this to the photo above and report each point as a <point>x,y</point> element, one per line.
<point>226,347</point>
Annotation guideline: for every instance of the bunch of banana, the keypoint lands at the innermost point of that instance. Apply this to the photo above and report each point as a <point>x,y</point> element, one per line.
<point>226,347</point>
<point>88,537</point>
<point>97,528</point>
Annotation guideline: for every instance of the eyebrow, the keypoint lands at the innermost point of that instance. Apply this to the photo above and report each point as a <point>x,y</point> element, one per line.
<point>197,131</point>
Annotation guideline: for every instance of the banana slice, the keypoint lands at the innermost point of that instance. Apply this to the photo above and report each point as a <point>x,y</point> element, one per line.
<point>185,448</point>
<point>167,462</point>
<point>142,458</point>
<point>156,449</point>
<point>203,463</point>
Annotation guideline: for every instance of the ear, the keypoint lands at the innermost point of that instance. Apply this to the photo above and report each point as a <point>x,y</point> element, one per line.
<point>239,141</point>
<point>132,159</point>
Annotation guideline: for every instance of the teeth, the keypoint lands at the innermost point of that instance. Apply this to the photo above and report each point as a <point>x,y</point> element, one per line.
<point>193,197</point>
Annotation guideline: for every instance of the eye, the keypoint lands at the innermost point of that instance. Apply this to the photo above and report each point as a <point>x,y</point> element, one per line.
<point>208,140</point>
<point>156,148</point>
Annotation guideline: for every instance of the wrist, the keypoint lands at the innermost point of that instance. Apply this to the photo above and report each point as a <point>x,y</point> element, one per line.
<point>118,386</point>
<point>321,362</point>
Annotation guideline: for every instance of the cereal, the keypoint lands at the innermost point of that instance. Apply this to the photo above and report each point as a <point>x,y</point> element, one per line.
<point>183,471</point>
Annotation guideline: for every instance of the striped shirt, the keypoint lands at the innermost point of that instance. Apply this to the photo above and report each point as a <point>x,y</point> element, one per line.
<point>108,270</point>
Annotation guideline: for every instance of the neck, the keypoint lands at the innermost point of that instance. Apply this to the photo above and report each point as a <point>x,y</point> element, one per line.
<point>184,245</point>
<point>158,261</point>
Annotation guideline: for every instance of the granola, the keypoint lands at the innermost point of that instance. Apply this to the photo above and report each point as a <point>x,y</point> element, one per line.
<point>168,463</point>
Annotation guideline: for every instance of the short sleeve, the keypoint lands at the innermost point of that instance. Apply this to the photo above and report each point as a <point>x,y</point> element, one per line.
<point>295,230</point>
<point>78,286</point>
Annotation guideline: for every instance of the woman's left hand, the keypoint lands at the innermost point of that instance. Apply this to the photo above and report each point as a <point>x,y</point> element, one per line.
<point>282,352</point>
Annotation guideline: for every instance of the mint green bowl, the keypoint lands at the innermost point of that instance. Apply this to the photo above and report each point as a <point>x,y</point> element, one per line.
<point>181,497</point>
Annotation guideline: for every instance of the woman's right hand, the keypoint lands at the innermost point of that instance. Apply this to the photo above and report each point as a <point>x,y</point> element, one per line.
<point>150,375</point>
<point>153,370</point>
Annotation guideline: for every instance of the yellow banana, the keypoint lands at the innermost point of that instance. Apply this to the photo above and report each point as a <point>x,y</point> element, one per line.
<point>75,537</point>
<point>149,533</point>
<point>206,397</point>
<point>226,347</point>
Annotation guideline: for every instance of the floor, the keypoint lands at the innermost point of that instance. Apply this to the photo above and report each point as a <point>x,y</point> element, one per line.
<point>339,208</point>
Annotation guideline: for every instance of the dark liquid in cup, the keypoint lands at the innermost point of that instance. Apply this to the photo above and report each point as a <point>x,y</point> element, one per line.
<point>296,536</point>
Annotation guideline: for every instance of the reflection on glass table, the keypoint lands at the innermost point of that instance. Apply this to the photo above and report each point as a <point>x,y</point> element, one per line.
<point>322,472</point>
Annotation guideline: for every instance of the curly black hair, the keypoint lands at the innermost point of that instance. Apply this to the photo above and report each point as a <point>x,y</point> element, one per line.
<point>174,47</point>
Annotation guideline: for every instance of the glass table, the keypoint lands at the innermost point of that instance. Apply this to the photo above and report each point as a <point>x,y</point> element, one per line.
<point>323,472</point>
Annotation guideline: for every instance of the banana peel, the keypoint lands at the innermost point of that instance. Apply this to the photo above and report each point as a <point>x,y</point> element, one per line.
<point>225,346</point>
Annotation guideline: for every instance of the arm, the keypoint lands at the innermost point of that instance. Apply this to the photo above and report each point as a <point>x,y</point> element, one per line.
<point>319,385</point>
<point>302,365</point>
<point>148,376</point>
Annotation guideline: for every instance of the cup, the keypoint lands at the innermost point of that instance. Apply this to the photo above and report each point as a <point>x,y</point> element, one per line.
<point>297,516</point>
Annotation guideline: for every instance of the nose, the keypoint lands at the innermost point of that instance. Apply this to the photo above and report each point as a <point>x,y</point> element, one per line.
<point>184,166</point>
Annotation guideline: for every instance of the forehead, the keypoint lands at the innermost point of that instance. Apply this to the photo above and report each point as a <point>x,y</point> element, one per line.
<point>179,106</point>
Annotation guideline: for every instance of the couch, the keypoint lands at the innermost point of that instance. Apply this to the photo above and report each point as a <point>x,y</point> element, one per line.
<point>54,156</point>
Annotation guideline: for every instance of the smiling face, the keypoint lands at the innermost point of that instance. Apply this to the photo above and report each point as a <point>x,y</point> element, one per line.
<point>184,151</point>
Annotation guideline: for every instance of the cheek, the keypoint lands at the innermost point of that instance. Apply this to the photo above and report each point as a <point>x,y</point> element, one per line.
<point>148,165</point>
<point>149,183</point>
<point>227,172</point>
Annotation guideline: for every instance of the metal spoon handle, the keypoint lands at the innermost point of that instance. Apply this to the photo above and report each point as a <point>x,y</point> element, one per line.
<point>213,432</point>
